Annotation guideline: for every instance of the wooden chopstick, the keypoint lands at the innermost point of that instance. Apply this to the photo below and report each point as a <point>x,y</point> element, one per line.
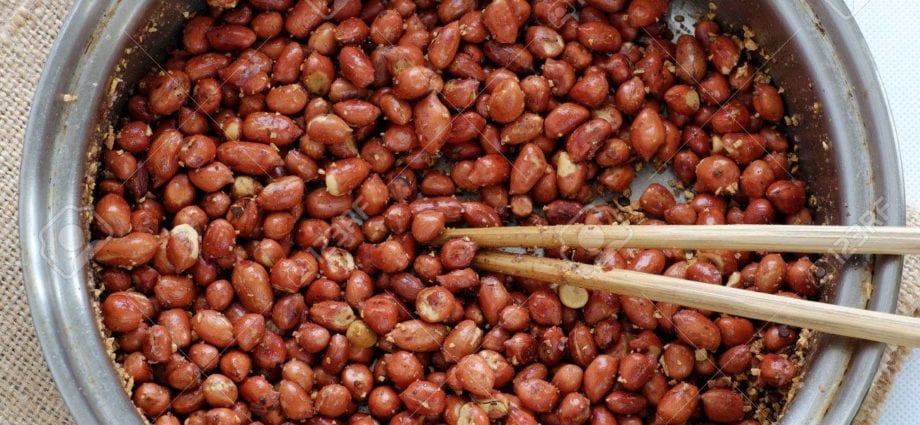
<point>829,318</point>
<point>839,240</point>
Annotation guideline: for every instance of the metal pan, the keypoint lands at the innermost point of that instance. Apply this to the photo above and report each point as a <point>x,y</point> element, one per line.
<point>846,138</point>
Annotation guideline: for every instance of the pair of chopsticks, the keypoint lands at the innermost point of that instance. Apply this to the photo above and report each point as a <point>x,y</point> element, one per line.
<point>832,240</point>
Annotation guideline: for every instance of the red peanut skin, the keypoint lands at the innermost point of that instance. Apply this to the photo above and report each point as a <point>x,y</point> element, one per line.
<point>251,283</point>
<point>432,123</point>
<point>132,250</point>
<point>249,158</point>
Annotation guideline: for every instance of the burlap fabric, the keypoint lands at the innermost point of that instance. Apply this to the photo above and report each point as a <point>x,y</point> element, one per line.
<point>27,392</point>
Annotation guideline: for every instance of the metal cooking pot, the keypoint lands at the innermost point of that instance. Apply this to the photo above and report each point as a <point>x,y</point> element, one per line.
<point>845,134</point>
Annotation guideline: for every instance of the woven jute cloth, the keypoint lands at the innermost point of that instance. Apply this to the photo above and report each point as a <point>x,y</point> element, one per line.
<point>27,392</point>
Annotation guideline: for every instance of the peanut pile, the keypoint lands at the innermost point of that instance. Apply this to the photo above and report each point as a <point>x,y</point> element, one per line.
<point>263,215</point>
